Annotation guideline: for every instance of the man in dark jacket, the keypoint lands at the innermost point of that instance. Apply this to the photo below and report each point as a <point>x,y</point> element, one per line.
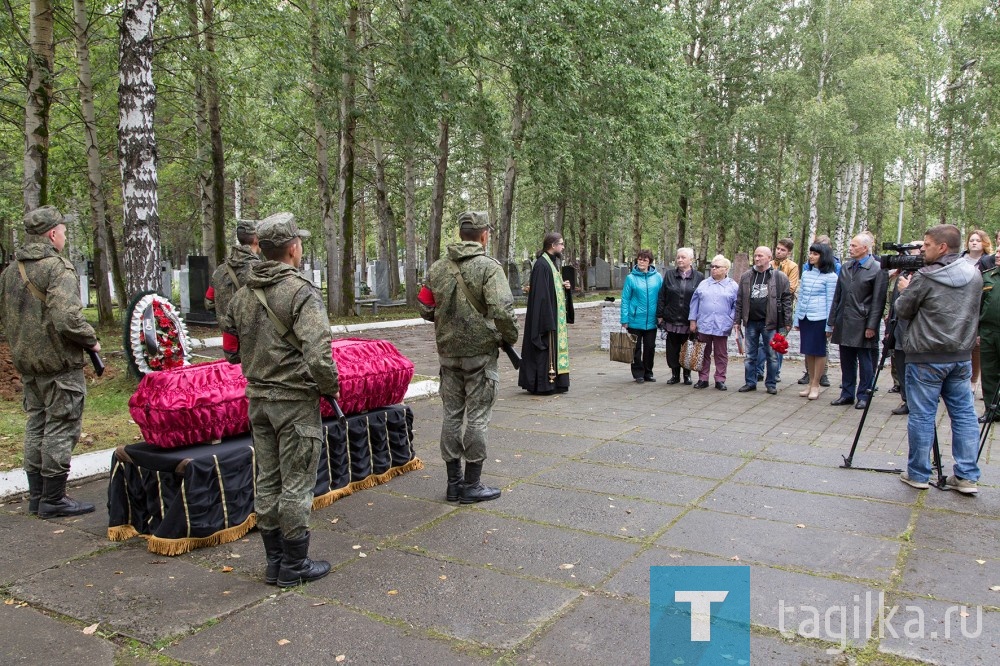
<point>42,317</point>
<point>233,272</point>
<point>277,327</point>
<point>763,307</point>
<point>941,302</point>
<point>468,333</point>
<point>856,316</point>
<point>673,307</point>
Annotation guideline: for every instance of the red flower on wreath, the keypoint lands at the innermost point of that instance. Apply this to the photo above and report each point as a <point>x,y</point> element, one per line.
<point>166,338</point>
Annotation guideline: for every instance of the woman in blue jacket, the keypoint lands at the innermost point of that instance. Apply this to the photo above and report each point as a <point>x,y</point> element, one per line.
<point>812,310</point>
<point>639,296</point>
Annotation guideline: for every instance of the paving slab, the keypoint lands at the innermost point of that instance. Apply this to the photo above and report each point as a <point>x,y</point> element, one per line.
<point>316,632</point>
<point>939,634</point>
<point>961,533</point>
<point>561,444</point>
<point>723,443</point>
<point>560,555</point>
<point>770,542</point>
<point>594,512</point>
<point>844,514</point>
<point>31,637</point>
<point>768,650</point>
<point>596,631</point>
<point>139,594</point>
<point>558,419</point>
<point>693,463</point>
<point>632,580</point>
<point>380,514</point>
<point>31,545</point>
<point>626,482</point>
<point>461,601</point>
<point>953,577</point>
<point>830,480</point>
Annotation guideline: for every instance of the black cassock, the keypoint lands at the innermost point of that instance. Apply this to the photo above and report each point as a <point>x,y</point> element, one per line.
<point>539,345</point>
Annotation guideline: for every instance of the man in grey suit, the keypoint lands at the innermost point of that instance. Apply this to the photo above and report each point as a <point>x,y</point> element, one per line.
<point>856,315</point>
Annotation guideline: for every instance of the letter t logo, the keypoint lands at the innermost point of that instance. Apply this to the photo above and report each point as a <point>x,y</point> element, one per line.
<point>701,611</point>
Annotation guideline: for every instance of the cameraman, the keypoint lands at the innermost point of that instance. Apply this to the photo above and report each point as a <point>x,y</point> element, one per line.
<point>898,333</point>
<point>941,302</point>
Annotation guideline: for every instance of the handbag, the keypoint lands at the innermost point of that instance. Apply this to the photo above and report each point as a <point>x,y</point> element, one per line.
<point>622,347</point>
<point>692,354</point>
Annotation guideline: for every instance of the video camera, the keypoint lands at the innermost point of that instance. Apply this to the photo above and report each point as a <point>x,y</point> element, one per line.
<point>901,261</point>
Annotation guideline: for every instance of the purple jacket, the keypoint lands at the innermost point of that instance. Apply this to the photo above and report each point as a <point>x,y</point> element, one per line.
<point>713,306</point>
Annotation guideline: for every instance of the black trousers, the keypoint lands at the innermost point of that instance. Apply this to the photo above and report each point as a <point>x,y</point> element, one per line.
<point>674,343</point>
<point>899,365</point>
<point>645,350</point>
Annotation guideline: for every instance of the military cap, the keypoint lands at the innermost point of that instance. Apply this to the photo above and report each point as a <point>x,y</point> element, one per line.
<point>474,220</point>
<point>279,230</point>
<point>42,220</point>
<point>246,227</point>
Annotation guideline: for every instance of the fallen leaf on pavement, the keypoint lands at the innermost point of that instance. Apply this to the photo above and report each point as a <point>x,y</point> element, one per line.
<point>58,531</point>
<point>284,641</point>
<point>226,569</point>
<point>392,593</point>
<point>91,629</point>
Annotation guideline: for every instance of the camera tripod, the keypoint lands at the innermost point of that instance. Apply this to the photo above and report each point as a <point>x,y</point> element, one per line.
<point>991,411</point>
<point>888,342</point>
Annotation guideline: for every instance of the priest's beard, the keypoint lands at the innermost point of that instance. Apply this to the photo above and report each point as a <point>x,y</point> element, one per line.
<point>556,255</point>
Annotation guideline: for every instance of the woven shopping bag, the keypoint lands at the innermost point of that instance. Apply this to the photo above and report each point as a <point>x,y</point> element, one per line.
<point>622,347</point>
<point>692,354</point>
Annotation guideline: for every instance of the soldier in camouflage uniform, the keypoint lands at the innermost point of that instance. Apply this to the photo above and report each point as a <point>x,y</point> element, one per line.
<point>288,364</point>
<point>468,343</point>
<point>48,335</point>
<point>241,258</point>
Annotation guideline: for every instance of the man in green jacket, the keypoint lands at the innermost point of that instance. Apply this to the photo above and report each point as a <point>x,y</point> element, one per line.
<point>468,333</point>
<point>989,336</point>
<point>43,319</point>
<point>233,272</point>
<point>278,329</point>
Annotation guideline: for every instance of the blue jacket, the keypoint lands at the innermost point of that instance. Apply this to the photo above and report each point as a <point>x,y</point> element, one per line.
<point>816,292</point>
<point>639,295</point>
<point>713,306</point>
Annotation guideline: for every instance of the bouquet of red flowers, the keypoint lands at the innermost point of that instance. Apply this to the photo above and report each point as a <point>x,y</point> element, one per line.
<point>779,343</point>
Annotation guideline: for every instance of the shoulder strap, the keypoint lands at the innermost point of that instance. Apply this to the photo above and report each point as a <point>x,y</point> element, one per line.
<point>286,333</point>
<point>473,301</point>
<point>35,291</point>
<point>232,276</point>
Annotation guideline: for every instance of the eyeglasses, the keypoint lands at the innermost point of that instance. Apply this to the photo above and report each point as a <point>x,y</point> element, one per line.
<point>714,266</point>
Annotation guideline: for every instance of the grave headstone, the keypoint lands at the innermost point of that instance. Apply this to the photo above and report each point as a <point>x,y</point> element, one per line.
<point>167,280</point>
<point>602,274</point>
<point>185,288</point>
<point>84,280</point>
<point>199,278</point>
<point>316,275</point>
<point>618,276</point>
<point>382,281</point>
<point>513,279</point>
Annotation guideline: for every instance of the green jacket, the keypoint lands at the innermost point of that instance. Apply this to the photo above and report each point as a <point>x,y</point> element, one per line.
<point>276,370</point>
<point>459,328</point>
<point>241,259</point>
<point>45,338</point>
<point>989,310</point>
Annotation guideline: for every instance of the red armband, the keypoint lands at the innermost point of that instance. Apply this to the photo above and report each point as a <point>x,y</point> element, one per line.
<point>230,343</point>
<point>426,297</point>
<point>210,294</point>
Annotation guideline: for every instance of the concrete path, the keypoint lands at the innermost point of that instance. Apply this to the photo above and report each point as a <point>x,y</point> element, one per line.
<point>599,484</point>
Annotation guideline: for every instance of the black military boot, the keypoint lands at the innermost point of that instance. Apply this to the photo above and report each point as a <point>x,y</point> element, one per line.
<point>273,550</point>
<point>34,492</point>
<point>296,567</point>
<point>474,491</point>
<point>455,480</point>
<point>55,503</point>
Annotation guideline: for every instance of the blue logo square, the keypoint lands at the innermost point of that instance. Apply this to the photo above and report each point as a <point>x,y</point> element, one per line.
<point>699,615</point>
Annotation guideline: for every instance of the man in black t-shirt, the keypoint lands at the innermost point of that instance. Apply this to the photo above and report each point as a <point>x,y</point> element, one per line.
<point>763,307</point>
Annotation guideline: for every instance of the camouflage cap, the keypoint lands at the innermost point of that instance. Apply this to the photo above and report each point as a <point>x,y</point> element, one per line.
<point>471,219</point>
<point>42,220</point>
<point>247,227</point>
<point>279,230</point>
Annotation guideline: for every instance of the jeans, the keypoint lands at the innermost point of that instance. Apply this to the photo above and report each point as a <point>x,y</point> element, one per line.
<point>757,335</point>
<point>925,383</point>
<point>762,360</point>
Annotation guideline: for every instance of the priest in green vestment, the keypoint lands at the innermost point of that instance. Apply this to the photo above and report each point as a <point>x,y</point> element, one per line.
<point>545,348</point>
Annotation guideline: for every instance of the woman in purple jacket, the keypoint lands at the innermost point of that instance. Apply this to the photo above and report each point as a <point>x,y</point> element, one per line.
<point>713,311</point>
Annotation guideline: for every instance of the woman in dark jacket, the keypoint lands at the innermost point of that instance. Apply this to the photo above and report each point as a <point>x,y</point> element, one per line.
<point>640,294</point>
<point>674,306</point>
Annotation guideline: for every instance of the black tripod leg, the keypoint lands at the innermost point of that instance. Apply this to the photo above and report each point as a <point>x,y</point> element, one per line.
<point>869,393</point>
<point>989,415</point>
<point>936,449</point>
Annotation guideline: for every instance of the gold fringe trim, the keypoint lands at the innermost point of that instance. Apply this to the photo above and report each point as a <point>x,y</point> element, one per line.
<point>171,547</point>
<point>373,480</point>
<point>122,533</point>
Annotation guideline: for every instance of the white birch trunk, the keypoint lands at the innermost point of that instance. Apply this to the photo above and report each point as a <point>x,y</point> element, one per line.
<point>137,147</point>
<point>866,183</point>
<point>36,110</point>
<point>331,235</point>
<point>409,218</point>
<point>853,205</point>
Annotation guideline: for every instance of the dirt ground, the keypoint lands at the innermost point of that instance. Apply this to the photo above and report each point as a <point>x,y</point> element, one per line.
<point>10,381</point>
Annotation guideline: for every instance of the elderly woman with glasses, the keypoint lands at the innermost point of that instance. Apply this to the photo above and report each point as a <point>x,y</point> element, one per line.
<point>673,308</point>
<point>713,312</point>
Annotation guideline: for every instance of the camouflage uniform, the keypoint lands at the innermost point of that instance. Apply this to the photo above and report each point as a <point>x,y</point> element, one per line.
<point>284,386</point>
<point>241,259</point>
<point>468,343</point>
<point>47,343</point>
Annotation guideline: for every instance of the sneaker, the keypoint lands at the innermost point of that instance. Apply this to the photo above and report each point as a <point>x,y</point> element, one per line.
<point>804,379</point>
<point>824,381</point>
<point>747,387</point>
<point>772,390</point>
<point>963,486</point>
<point>919,485</point>
<point>894,389</point>
<point>901,410</point>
